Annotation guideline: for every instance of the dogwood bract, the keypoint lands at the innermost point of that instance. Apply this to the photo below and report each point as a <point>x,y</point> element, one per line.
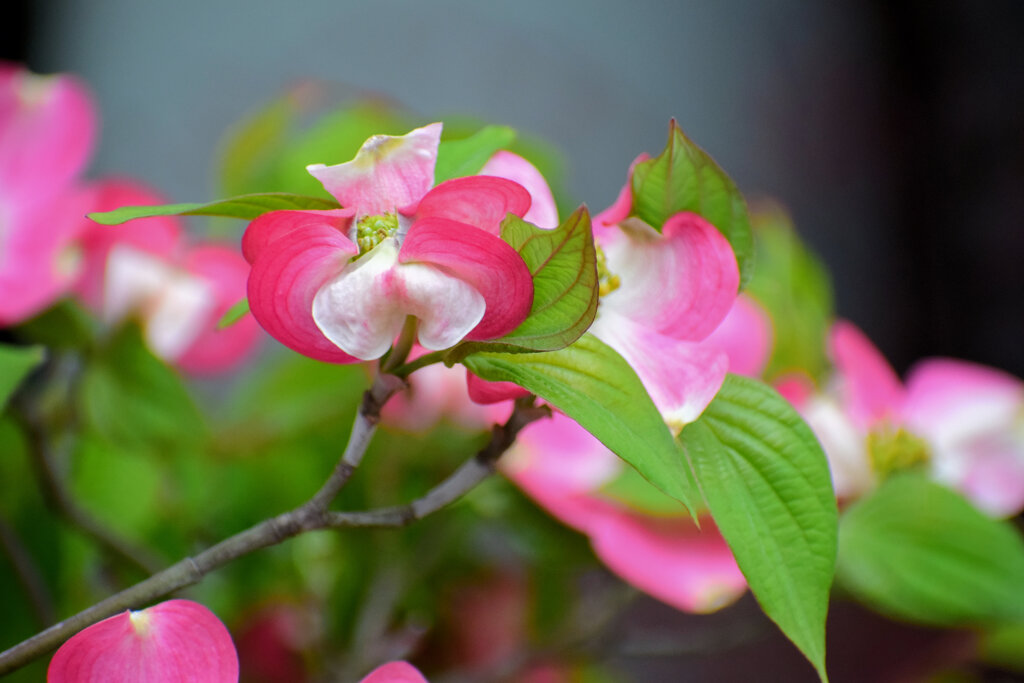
<point>338,285</point>
<point>962,421</point>
<point>176,640</point>
<point>47,127</point>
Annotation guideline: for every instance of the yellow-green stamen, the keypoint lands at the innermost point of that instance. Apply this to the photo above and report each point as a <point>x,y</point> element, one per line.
<point>896,450</point>
<point>607,281</point>
<point>372,230</point>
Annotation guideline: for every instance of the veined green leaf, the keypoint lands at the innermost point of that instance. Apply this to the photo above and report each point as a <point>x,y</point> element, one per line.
<point>233,314</point>
<point>595,386</point>
<point>632,490</point>
<point>247,206</point>
<point>684,178</point>
<point>15,364</point>
<point>564,270</point>
<point>458,158</point>
<point>917,550</point>
<point>766,482</point>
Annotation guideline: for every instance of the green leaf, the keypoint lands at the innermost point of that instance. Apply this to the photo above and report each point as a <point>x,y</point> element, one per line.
<point>684,178</point>
<point>247,206</point>
<point>564,269</point>
<point>458,158</point>
<point>15,364</point>
<point>794,287</point>
<point>233,314</point>
<point>593,385</point>
<point>767,484</point>
<point>917,550</point>
<point>131,398</point>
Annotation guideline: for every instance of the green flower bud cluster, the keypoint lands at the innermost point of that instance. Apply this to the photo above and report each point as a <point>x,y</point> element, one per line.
<point>372,230</point>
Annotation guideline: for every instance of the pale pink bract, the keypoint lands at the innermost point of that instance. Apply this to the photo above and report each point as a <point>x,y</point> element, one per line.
<point>970,419</point>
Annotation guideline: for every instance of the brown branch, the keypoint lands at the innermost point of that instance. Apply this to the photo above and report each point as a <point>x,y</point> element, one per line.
<point>310,516</point>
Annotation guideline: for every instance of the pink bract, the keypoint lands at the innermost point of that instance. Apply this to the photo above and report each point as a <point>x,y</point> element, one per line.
<point>663,293</point>
<point>339,285</point>
<point>47,128</point>
<point>968,416</point>
<point>395,672</point>
<point>146,269</point>
<point>561,466</point>
<point>176,640</point>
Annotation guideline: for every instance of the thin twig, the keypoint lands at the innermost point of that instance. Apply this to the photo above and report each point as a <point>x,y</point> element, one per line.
<point>28,575</point>
<point>310,516</point>
<point>63,503</point>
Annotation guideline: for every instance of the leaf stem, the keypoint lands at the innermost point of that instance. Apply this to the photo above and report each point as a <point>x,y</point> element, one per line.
<point>423,361</point>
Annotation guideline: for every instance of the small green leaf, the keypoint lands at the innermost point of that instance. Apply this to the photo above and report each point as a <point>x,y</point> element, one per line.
<point>131,398</point>
<point>564,270</point>
<point>767,484</point>
<point>684,178</point>
<point>919,551</point>
<point>233,314</point>
<point>593,385</point>
<point>15,364</point>
<point>458,158</point>
<point>794,287</point>
<point>246,206</point>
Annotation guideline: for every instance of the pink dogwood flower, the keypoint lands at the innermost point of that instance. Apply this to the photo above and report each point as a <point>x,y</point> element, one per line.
<point>176,640</point>
<point>338,285</point>
<point>47,127</point>
<point>962,421</point>
<point>661,295</point>
<point>178,291</point>
<point>564,469</point>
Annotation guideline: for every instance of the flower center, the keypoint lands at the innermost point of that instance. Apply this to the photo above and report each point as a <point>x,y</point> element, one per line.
<point>894,451</point>
<point>607,281</point>
<point>372,230</point>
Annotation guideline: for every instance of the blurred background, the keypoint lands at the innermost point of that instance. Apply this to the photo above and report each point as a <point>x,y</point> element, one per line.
<point>893,132</point>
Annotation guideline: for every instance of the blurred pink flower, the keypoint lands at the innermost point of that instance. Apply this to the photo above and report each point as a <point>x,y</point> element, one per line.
<point>147,269</point>
<point>338,285</point>
<point>47,127</point>
<point>176,640</point>
<point>964,422</point>
<point>562,467</point>
<point>662,293</point>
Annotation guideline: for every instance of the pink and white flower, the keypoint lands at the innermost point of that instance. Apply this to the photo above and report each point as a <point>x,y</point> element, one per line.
<point>964,422</point>
<point>338,285</point>
<point>395,672</point>
<point>176,640</point>
<point>146,269</point>
<point>662,293</point>
<point>562,467</point>
<point>47,128</point>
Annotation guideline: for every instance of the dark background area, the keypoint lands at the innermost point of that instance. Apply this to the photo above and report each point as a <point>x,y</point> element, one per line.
<point>893,132</point>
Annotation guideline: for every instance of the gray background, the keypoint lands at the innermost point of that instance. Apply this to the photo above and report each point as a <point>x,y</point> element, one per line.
<point>892,134</point>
